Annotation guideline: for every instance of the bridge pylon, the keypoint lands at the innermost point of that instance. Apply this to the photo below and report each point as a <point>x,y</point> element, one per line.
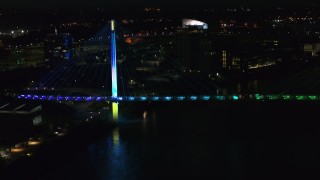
<point>114,79</point>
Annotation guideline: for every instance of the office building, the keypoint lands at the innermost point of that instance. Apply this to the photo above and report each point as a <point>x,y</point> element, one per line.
<point>194,47</point>
<point>58,47</point>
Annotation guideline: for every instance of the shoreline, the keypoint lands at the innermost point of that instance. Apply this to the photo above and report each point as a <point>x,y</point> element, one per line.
<point>61,121</point>
<point>55,148</point>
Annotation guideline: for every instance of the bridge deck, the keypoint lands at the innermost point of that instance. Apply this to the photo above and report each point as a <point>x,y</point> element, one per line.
<point>169,98</point>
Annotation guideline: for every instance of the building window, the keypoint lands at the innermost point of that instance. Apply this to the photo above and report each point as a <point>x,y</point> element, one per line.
<point>224,59</point>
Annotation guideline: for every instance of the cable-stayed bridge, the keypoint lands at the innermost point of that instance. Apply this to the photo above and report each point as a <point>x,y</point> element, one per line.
<point>127,76</point>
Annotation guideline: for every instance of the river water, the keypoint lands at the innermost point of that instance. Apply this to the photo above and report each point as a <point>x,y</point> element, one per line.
<point>224,140</point>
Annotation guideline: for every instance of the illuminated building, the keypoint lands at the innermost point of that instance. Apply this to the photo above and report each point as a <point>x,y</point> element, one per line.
<point>224,59</point>
<point>247,52</point>
<point>26,115</point>
<point>191,23</point>
<point>194,47</point>
<point>312,48</point>
<point>58,47</point>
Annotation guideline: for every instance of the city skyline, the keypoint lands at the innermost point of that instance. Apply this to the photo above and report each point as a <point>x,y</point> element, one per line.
<point>154,3</point>
<point>138,90</point>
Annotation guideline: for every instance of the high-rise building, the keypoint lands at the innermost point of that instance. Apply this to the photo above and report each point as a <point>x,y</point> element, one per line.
<point>58,47</point>
<point>194,47</point>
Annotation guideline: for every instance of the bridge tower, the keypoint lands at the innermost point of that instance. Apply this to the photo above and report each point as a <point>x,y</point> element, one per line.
<point>114,79</point>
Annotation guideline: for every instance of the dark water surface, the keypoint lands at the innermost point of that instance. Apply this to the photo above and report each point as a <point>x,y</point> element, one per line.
<point>224,140</point>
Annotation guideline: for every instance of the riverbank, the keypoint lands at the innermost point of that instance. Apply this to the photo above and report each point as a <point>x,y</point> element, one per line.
<point>57,150</point>
<point>57,120</point>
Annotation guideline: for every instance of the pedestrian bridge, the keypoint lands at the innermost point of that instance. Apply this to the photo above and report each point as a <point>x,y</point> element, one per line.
<point>258,97</point>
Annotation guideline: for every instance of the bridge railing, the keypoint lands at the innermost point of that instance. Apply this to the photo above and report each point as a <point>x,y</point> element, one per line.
<point>168,98</point>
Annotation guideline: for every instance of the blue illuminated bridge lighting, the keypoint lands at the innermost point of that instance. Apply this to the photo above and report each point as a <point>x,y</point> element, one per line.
<point>167,98</point>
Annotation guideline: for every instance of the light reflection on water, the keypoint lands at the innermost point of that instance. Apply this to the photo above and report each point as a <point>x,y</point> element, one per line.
<point>144,120</point>
<point>117,157</point>
<point>124,155</point>
<point>115,137</point>
<point>187,141</point>
<point>227,140</point>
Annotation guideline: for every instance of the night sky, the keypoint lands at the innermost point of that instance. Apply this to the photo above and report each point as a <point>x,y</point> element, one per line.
<point>128,3</point>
